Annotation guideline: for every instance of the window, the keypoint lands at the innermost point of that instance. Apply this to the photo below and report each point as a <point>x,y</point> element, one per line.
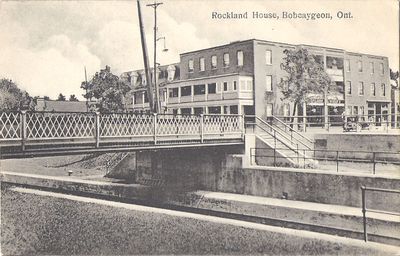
<point>186,111</point>
<point>212,88</point>
<point>360,66</point>
<point>347,65</point>
<point>202,64</point>
<point>243,85</point>
<point>234,85</point>
<point>165,94</point>
<point>214,110</point>
<point>186,91</point>
<point>226,59</point>
<point>268,109</point>
<point>383,90</point>
<point>360,88</point>
<point>225,109</point>
<point>348,87</point>
<point>199,89</point>
<point>268,57</point>
<point>173,92</point>
<point>249,85</point>
<point>268,83</point>
<point>191,68</point>
<point>233,109</point>
<point>361,110</point>
<point>381,68</point>
<point>371,67</point>
<point>175,111</point>
<point>146,99</point>
<point>240,58</point>
<point>198,111</point>
<point>373,89</point>
<point>348,110</point>
<point>355,110</point>
<point>214,61</point>
<point>225,86</point>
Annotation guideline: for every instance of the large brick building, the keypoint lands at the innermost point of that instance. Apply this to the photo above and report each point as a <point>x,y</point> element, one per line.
<point>242,77</point>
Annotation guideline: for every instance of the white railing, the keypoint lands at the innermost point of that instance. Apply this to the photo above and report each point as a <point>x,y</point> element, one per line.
<point>50,127</point>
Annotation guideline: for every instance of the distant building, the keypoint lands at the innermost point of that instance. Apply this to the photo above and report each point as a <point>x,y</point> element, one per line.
<point>242,77</point>
<point>60,106</point>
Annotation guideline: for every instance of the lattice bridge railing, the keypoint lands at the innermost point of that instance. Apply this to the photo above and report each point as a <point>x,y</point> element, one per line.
<point>28,128</point>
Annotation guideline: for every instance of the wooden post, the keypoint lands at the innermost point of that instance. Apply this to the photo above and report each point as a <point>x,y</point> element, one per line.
<point>23,129</point>
<point>97,129</point>
<point>155,127</point>
<point>201,128</point>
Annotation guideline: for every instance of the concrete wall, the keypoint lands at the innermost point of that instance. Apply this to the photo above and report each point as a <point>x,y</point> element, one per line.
<point>265,155</point>
<point>184,168</point>
<point>312,186</point>
<point>359,142</point>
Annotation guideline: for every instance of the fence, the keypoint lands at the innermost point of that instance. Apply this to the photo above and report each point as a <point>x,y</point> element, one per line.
<point>364,206</point>
<point>334,160</point>
<point>383,121</point>
<point>30,127</point>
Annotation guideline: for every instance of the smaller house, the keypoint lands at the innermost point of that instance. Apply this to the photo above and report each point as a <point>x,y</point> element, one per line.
<point>61,106</point>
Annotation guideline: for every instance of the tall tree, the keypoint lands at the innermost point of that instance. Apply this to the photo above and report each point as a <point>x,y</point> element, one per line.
<point>61,97</point>
<point>13,98</point>
<point>107,89</point>
<point>304,76</point>
<point>72,97</point>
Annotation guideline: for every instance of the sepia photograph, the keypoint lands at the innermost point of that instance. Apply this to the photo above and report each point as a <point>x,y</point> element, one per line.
<point>199,127</point>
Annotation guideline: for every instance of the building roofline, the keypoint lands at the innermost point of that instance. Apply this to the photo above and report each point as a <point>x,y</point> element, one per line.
<point>281,44</point>
<point>151,68</point>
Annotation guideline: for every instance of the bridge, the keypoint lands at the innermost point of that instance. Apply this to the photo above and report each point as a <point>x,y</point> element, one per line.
<point>28,134</point>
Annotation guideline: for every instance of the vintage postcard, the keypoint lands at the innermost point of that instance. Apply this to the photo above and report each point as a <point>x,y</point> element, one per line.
<point>199,127</point>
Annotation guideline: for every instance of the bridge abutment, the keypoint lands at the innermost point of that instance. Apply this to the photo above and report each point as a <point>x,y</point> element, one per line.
<point>180,169</point>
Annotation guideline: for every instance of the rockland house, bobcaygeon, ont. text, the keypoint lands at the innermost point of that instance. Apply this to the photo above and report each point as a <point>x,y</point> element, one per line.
<point>283,15</point>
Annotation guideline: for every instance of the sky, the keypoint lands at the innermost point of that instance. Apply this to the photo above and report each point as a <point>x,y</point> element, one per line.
<point>45,45</point>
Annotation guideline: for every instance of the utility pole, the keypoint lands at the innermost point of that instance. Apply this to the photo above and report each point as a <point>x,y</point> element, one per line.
<point>145,59</point>
<point>157,96</point>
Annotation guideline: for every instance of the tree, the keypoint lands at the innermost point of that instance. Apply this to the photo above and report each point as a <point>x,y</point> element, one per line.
<point>61,97</point>
<point>304,76</point>
<point>72,97</point>
<point>108,89</point>
<point>46,97</point>
<point>13,98</point>
<point>394,76</point>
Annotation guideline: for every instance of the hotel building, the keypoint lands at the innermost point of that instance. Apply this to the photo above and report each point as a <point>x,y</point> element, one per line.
<point>242,77</point>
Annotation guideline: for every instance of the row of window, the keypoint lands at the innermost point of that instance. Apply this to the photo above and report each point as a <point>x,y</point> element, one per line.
<point>355,110</point>
<point>233,109</point>
<point>360,67</point>
<point>210,88</point>
<point>361,89</point>
<point>225,61</point>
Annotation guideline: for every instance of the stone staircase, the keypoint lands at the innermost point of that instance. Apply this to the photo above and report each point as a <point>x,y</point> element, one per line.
<point>286,146</point>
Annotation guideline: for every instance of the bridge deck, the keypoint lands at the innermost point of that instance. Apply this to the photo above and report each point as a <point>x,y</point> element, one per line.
<point>25,134</point>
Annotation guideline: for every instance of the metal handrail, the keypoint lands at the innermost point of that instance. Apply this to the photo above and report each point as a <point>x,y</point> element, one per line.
<point>334,157</point>
<point>292,130</point>
<point>274,134</point>
<point>291,137</point>
<point>364,205</point>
